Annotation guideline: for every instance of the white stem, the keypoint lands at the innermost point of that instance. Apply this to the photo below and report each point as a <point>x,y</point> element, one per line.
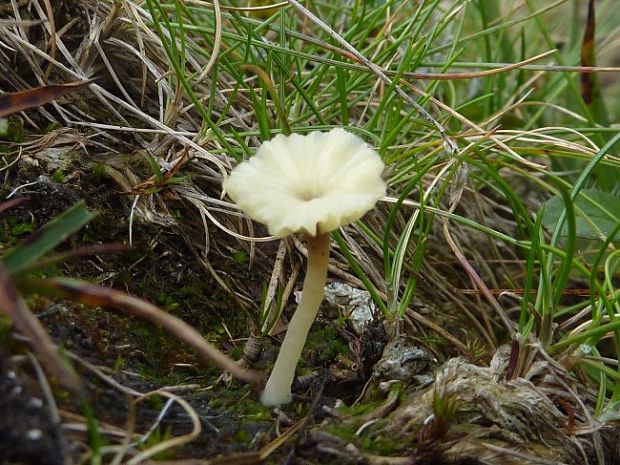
<point>278,388</point>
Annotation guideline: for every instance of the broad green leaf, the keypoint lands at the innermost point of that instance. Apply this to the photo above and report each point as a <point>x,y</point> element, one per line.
<point>597,214</point>
<point>48,237</point>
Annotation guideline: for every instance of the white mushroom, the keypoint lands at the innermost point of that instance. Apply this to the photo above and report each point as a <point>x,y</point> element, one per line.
<point>312,185</point>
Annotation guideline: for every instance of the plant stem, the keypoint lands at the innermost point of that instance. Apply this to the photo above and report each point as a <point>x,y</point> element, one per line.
<point>278,388</point>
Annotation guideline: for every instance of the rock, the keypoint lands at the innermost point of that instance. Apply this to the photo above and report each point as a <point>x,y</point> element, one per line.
<point>356,304</point>
<point>404,361</point>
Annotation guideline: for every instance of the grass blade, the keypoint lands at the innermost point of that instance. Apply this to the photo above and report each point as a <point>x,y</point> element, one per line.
<point>48,237</point>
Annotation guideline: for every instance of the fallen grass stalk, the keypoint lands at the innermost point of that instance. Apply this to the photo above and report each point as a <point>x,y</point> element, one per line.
<point>173,442</point>
<point>94,295</point>
<point>14,305</point>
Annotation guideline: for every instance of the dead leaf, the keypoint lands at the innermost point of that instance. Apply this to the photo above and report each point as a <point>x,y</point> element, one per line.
<point>587,55</point>
<point>12,102</point>
<point>12,203</point>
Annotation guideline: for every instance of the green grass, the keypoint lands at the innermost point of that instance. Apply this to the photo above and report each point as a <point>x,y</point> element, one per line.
<point>524,136</point>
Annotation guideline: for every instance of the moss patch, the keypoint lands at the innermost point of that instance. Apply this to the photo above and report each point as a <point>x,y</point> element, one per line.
<point>323,345</point>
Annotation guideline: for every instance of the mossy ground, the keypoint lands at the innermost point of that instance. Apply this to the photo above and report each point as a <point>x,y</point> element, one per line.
<point>161,269</point>
<point>142,356</point>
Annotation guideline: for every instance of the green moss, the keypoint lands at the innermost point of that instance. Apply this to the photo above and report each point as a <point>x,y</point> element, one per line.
<point>22,229</point>
<point>58,175</point>
<point>380,445</point>
<point>237,352</point>
<point>243,402</point>
<point>324,344</point>
<point>243,437</point>
<point>5,328</point>
<point>343,430</point>
<point>119,363</point>
<point>361,408</point>
<point>256,411</point>
<point>99,171</point>
<point>166,301</point>
<point>373,443</point>
<point>155,402</point>
<point>51,126</point>
<point>240,257</point>
<point>194,299</point>
<point>13,130</point>
<point>157,437</point>
<point>12,230</point>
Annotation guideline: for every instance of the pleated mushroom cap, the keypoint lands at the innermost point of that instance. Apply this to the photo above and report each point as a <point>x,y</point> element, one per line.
<point>308,184</point>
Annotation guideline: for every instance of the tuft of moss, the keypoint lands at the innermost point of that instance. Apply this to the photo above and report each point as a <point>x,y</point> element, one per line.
<point>343,430</point>
<point>243,437</point>
<point>240,257</point>
<point>12,130</point>
<point>369,442</point>
<point>323,345</point>
<point>380,445</point>
<point>156,437</point>
<point>5,328</point>
<point>58,175</point>
<point>99,171</point>
<point>12,230</point>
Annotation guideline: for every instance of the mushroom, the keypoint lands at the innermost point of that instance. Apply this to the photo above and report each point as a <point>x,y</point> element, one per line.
<point>311,185</point>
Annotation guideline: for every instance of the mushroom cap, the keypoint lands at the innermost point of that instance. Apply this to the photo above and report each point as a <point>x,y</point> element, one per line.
<point>310,183</point>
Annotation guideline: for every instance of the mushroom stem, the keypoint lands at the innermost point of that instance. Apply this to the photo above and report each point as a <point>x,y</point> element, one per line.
<point>278,388</point>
